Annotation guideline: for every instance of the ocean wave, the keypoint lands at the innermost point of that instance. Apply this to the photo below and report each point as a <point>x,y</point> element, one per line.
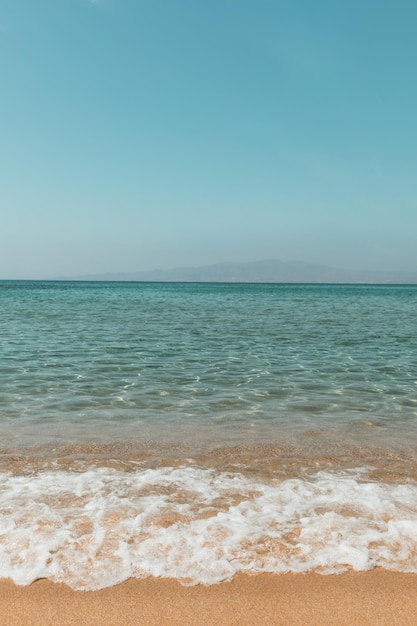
<point>96,528</point>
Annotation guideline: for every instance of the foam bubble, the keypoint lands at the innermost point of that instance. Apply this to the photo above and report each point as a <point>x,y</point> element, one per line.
<point>96,528</point>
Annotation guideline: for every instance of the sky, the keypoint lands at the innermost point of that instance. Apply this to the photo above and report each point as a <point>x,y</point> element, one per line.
<point>143,134</point>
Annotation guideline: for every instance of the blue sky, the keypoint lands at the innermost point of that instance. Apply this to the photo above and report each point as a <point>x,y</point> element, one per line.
<point>154,134</point>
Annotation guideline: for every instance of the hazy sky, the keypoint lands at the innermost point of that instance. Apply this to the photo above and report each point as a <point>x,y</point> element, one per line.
<point>153,134</point>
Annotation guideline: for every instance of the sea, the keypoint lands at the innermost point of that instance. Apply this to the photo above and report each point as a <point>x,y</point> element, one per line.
<point>199,430</point>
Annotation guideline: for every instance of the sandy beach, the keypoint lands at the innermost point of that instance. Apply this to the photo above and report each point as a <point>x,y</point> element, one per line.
<point>375,598</point>
<point>208,434</point>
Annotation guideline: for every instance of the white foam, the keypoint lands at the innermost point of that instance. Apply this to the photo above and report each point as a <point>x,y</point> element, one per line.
<point>97,528</point>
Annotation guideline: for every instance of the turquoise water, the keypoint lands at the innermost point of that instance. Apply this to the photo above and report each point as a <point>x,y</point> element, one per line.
<point>219,362</point>
<point>195,431</point>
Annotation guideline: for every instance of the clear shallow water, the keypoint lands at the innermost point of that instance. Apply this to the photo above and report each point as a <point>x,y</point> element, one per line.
<point>224,362</point>
<point>198,430</point>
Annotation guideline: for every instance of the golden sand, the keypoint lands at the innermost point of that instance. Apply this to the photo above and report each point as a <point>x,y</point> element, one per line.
<point>377,598</point>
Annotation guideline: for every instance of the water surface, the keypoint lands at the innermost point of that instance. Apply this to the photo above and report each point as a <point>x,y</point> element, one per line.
<point>200,430</point>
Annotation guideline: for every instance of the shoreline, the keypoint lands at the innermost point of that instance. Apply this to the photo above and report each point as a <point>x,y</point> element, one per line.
<point>376,597</point>
<point>314,451</point>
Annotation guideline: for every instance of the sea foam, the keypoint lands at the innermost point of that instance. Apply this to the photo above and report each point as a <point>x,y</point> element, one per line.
<point>96,528</point>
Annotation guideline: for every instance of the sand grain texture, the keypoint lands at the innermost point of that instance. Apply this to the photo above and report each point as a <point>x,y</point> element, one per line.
<point>371,598</point>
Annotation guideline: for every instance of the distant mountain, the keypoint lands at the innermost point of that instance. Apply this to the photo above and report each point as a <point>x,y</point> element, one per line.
<point>270,271</point>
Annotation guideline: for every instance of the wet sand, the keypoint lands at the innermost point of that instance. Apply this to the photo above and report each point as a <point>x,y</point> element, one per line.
<point>379,598</point>
<point>314,452</point>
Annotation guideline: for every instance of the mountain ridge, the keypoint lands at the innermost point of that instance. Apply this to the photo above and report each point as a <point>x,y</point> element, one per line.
<point>264,271</point>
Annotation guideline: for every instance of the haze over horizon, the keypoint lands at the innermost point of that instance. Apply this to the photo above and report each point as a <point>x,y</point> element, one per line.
<point>264,271</point>
<point>162,134</point>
